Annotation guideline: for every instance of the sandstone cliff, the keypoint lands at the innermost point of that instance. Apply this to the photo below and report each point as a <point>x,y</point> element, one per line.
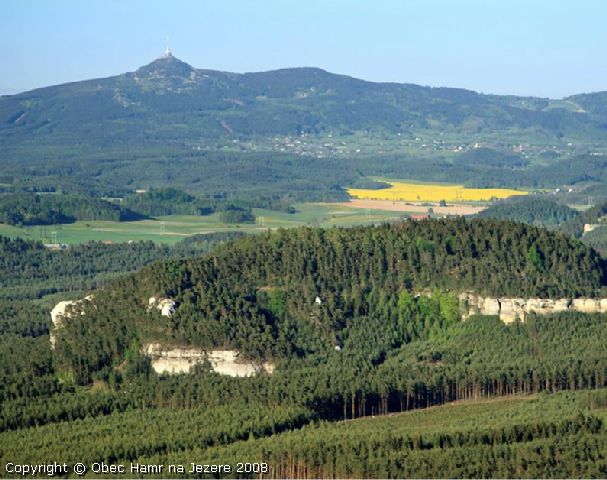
<point>64,310</point>
<point>172,359</point>
<point>181,359</point>
<point>508,309</point>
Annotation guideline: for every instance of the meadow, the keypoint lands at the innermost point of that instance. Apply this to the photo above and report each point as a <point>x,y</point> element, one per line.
<point>433,192</point>
<point>171,229</point>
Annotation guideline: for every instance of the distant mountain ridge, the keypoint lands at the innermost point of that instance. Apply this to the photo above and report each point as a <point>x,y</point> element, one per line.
<point>169,101</point>
<point>301,134</point>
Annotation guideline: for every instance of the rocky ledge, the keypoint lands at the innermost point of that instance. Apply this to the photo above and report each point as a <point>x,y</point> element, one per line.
<point>175,359</point>
<point>509,309</point>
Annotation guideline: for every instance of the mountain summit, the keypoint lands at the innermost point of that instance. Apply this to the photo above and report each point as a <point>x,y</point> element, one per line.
<point>166,67</point>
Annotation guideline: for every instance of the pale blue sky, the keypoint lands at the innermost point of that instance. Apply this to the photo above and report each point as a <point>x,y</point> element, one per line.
<point>529,47</point>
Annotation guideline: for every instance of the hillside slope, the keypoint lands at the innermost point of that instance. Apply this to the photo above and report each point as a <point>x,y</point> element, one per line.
<point>535,210</point>
<point>296,292</point>
<point>170,102</point>
<point>299,133</point>
<point>506,438</point>
<point>511,437</point>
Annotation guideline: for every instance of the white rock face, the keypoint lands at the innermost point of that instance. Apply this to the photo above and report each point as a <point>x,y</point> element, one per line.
<point>65,310</point>
<point>226,362</point>
<point>562,304</point>
<point>491,306</point>
<point>173,359</point>
<point>58,313</point>
<point>181,360</point>
<point>588,305</point>
<point>509,309</point>
<point>535,305</point>
<point>165,305</point>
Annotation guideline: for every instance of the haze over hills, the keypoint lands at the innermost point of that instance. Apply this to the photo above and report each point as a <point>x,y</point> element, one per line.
<point>168,100</point>
<point>298,132</point>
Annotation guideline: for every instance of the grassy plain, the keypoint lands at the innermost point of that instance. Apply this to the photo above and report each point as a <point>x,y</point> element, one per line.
<point>171,229</point>
<point>432,192</point>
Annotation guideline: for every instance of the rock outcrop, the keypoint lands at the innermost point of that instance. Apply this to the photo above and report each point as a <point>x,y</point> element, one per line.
<point>166,306</point>
<point>509,309</point>
<point>64,310</point>
<point>172,359</point>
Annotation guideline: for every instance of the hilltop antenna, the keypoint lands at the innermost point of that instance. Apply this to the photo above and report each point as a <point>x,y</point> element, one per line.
<point>167,51</point>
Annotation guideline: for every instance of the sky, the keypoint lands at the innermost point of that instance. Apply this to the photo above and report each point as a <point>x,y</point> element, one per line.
<point>548,48</point>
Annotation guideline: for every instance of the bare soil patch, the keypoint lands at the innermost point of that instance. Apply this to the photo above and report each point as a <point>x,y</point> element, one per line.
<point>412,207</point>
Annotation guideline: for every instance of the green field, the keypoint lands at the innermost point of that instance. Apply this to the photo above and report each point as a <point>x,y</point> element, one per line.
<point>171,229</point>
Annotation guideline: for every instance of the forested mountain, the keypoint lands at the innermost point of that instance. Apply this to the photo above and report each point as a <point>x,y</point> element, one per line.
<point>396,352</point>
<point>257,295</point>
<point>169,101</point>
<point>265,134</point>
<point>357,322</point>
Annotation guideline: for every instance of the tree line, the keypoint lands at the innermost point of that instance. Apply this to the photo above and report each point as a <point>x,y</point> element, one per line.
<point>532,209</point>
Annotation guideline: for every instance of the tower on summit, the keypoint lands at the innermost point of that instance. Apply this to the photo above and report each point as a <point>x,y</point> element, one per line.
<point>167,50</point>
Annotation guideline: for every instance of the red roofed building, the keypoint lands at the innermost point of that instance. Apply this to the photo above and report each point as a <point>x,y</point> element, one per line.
<point>425,216</point>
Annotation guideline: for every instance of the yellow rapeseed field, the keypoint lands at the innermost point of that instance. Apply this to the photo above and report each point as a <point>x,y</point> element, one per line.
<point>427,192</point>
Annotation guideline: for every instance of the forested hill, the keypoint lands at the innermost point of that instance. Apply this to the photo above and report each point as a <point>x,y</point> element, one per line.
<point>486,256</point>
<point>168,102</point>
<point>27,209</point>
<point>536,210</point>
<point>297,291</point>
<point>290,135</point>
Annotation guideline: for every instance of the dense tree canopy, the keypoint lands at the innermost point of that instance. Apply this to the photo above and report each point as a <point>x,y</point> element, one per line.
<point>32,209</point>
<point>257,295</point>
<point>397,351</point>
<point>535,210</point>
<point>29,270</point>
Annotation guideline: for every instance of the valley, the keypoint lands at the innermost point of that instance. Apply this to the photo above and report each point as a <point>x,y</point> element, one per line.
<point>311,274</point>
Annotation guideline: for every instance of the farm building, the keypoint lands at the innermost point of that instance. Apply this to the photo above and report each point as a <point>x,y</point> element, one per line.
<point>425,216</point>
